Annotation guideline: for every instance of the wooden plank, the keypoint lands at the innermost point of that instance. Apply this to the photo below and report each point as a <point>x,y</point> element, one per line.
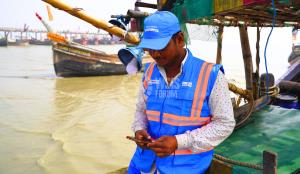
<point>146,5</point>
<point>247,57</point>
<point>269,162</point>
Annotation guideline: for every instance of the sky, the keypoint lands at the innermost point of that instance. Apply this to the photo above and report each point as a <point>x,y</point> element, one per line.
<point>16,13</point>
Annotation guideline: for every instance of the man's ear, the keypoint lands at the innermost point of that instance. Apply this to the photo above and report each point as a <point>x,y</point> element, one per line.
<point>180,39</point>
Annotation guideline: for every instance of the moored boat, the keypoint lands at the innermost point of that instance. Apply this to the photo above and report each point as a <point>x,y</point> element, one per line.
<point>3,42</point>
<point>33,41</point>
<point>18,42</point>
<point>71,60</point>
<point>75,60</point>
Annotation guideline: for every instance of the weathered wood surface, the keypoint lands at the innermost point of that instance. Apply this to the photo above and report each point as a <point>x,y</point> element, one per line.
<point>269,163</point>
<point>290,87</point>
<point>247,57</point>
<point>75,60</point>
<point>219,47</point>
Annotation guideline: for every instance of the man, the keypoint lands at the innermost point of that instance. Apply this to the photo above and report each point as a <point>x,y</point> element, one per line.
<point>184,108</point>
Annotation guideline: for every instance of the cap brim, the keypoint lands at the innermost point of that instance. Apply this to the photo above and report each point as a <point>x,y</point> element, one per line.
<point>154,44</point>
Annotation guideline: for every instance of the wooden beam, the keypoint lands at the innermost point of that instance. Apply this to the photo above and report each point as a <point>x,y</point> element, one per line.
<point>146,5</point>
<point>219,47</point>
<point>247,57</point>
<point>269,162</point>
<point>137,14</point>
<point>257,62</point>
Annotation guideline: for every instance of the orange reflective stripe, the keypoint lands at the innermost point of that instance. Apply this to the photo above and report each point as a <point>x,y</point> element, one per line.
<point>153,112</point>
<point>200,77</point>
<point>189,152</point>
<point>153,118</point>
<point>177,120</point>
<point>178,117</point>
<point>153,115</point>
<point>203,92</point>
<point>185,123</point>
<point>148,75</point>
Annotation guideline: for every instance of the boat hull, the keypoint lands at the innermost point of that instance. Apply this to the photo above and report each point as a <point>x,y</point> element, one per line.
<point>3,42</point>
<point>76,61</point>
<point>39,42</point>
<point>19,42</point>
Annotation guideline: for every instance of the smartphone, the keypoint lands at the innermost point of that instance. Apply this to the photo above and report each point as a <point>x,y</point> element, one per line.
<point>146,141</point>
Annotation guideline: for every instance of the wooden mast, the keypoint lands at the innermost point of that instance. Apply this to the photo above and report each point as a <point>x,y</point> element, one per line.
<point>128,37</point>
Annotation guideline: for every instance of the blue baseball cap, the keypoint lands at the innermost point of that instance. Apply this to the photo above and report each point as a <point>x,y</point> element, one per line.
<point>158,30</point>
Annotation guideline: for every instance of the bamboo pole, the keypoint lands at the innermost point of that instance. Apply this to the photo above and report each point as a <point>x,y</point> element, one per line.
<point>257,61</point>
<point>246,56</point>
<point>219,49</point>
<point>128,37</point>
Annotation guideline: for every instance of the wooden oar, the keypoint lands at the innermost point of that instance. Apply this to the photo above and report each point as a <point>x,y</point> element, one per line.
<point>128,37</point>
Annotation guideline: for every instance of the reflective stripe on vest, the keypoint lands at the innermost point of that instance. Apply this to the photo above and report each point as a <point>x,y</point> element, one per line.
<point>201,88</point>
<point>153,115</point>
<point>195,118</point>
<point>148,75</point>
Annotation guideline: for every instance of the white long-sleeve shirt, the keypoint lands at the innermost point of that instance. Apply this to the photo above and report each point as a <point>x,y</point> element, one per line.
<point>208,136</point>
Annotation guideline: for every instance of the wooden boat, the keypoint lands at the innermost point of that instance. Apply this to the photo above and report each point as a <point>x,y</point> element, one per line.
<point>71,60</point>
<point>3,42</point>
<point>75,60</point>
<point>33,41</point>
<point>289,84</point>
<point>295,54</point>
<point>18,42</point>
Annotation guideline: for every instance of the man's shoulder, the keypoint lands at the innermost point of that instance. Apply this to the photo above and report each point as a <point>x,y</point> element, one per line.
<point>197,61</point>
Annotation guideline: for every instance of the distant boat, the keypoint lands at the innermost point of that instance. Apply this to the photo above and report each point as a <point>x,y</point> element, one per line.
<point>75,60</point>
<point>3,42</point>
<point>33,41</point>
<point>295,54</point>
<point>18,42</point>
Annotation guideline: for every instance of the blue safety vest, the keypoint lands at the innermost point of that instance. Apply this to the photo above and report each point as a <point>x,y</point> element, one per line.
<point>175,109</point>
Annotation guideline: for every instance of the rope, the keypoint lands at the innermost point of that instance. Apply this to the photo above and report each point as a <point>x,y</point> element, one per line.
<point>265,51</point>
<point>247,94</point>
<point>243,164</point>
<point>272,91</point>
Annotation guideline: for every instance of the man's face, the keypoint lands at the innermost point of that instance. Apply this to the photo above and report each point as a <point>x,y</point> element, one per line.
<point>167,55</point>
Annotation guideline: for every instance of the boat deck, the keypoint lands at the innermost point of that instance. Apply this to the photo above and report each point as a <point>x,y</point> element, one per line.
<point>274,129</point>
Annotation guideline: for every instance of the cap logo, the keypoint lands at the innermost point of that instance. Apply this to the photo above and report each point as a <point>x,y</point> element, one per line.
<point>151,29</point>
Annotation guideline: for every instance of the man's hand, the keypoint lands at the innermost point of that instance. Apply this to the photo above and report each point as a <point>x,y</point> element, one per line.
<point>164,146</point>
<point>142,135</point>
